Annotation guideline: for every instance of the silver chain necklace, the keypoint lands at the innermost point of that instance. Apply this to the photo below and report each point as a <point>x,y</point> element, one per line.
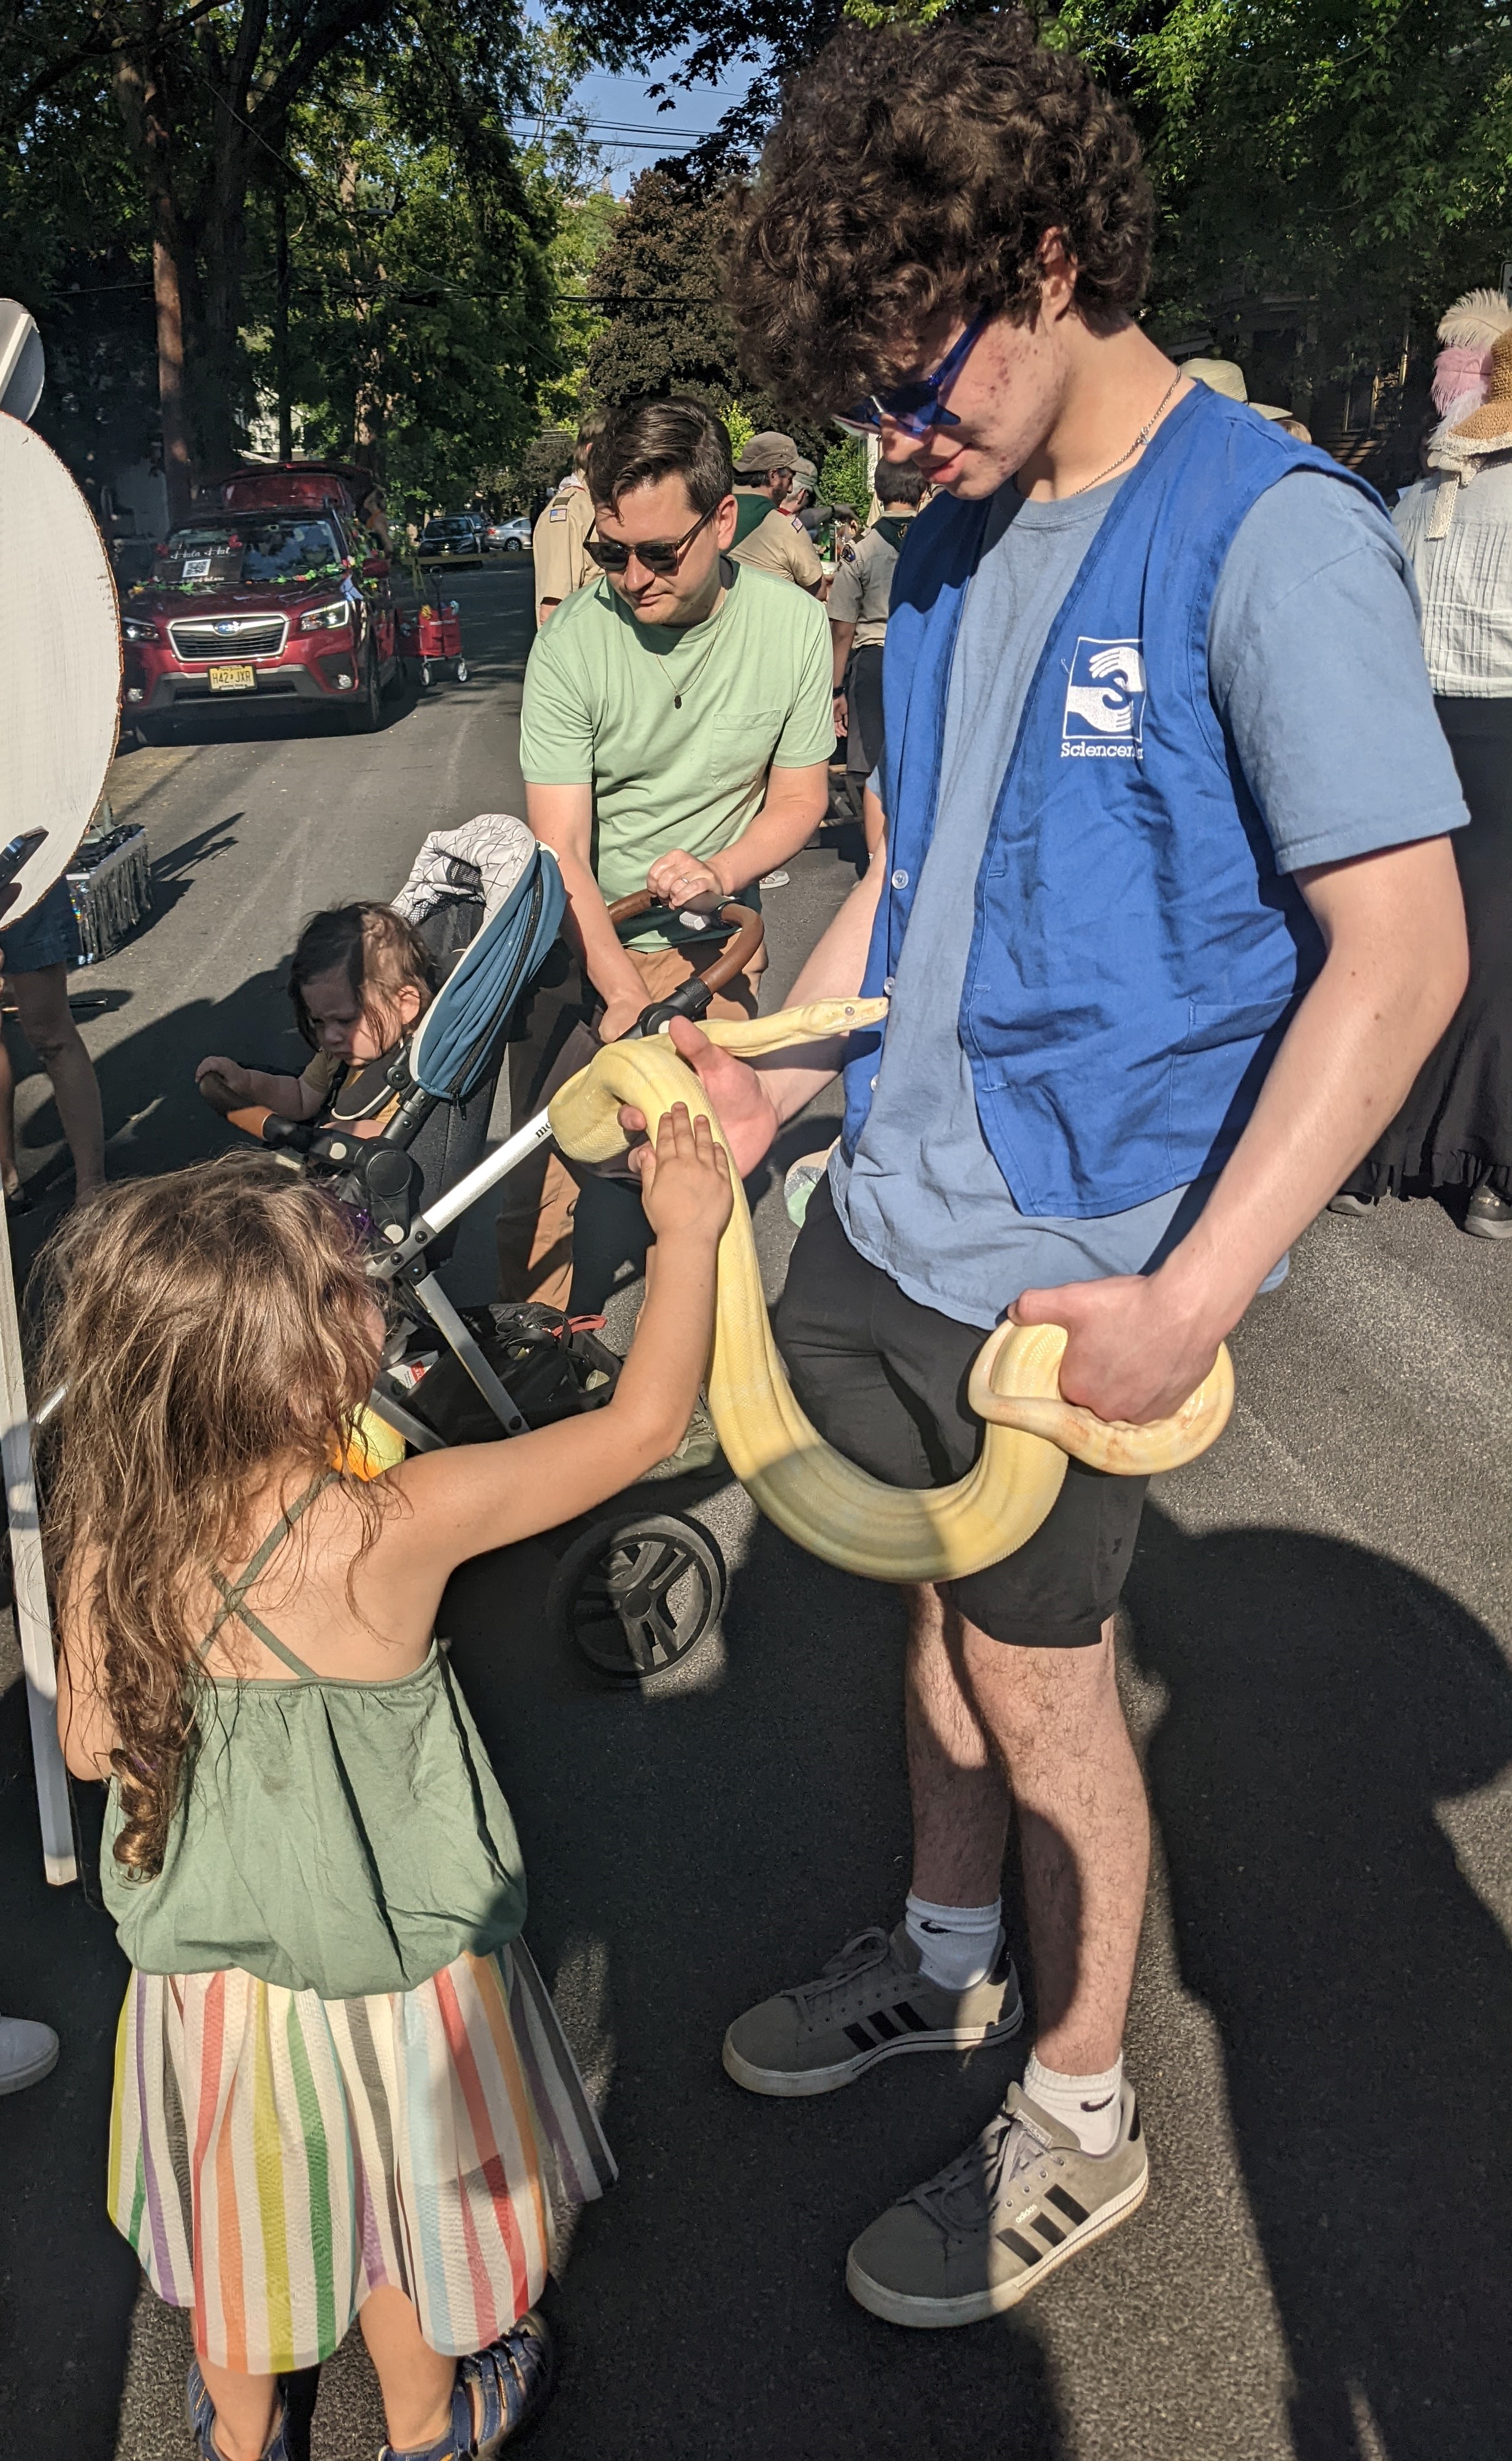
<point>1143,436</point>
<point>712,621</point>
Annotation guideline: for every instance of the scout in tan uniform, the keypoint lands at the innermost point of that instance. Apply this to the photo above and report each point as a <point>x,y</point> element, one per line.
<point>765,539</point>
<point>562,560</point>
<point>858,626</point>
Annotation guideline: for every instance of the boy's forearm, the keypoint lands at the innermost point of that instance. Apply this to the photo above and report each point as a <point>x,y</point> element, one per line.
<point>836,968</point>
<point>1337,1082</point>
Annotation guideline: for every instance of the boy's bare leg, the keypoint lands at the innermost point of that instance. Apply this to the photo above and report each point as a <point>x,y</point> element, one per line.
<point>416,2381</point>
<point>1051,1720</point>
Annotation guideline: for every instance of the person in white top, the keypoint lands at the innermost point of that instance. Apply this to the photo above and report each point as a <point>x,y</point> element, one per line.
<point>1454,1132</point>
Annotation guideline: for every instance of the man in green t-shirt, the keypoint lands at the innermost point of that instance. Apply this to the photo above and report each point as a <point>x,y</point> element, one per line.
<point>675,735</point>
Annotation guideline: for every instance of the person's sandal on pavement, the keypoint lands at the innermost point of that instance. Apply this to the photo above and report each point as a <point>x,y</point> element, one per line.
<point>499,2395</point>
<point>976,2238</point>
<point>870,2003</point>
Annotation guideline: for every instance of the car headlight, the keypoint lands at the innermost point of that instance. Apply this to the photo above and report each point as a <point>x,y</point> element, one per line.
<point>334,617</point>
<point>136,628</point>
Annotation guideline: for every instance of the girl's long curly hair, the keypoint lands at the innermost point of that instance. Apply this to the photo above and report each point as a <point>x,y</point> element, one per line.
<point>208,1326</point>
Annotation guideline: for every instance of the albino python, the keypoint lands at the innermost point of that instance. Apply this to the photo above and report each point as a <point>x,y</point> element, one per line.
<point>820,1499</point>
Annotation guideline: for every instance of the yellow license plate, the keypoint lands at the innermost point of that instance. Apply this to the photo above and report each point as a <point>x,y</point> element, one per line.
<point>233,679</point>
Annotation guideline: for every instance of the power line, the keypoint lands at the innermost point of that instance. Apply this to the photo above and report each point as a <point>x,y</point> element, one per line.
<point>635,133</point>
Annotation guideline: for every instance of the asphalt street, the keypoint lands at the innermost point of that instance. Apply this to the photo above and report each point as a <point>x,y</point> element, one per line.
<point>1315,1657</point>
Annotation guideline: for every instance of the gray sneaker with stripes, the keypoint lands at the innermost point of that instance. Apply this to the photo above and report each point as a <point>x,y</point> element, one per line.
<point>1013,2207</point>
<point>870,2003</point>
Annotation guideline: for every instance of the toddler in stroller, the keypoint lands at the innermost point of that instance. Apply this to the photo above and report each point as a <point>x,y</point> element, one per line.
<point>408,1007</point>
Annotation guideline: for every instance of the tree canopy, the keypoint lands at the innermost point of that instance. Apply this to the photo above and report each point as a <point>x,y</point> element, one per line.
<point>661,285</point>
<point>310,199</point>
<point>1351,156</point>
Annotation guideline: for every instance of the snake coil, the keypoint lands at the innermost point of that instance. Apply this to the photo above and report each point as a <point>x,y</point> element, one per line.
<point>814,1494</point>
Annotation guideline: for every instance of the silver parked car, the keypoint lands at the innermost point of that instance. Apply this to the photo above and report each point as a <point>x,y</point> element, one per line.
<point>508,538</point>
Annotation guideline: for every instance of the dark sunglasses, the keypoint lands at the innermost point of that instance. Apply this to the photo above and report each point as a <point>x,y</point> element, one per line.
<point>919,406</point>
<point>661,556</point>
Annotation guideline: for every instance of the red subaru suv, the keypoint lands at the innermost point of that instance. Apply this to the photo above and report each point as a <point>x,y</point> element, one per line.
<point>270,594</point>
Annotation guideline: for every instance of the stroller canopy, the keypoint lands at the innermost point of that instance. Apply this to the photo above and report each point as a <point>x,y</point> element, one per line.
<point>456,1045</point>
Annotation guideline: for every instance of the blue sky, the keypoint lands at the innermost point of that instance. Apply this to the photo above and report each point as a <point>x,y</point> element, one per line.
<point>631,130</point>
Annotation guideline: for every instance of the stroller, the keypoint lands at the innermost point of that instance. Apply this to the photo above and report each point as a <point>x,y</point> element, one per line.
<point>638,1587</point>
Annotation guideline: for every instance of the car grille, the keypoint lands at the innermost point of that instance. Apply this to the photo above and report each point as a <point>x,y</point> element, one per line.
<point>242,636</point>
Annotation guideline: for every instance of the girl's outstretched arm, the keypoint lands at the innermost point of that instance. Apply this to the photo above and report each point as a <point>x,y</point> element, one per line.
<point>480,1496</point>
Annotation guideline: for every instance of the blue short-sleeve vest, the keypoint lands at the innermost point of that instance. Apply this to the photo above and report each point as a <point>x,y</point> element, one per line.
<point>1135,955</point>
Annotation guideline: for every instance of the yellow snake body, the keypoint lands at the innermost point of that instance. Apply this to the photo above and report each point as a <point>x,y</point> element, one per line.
<point>811,1492</point>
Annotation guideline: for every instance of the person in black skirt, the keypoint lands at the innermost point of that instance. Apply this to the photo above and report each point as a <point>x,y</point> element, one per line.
<point>1455,1130</point>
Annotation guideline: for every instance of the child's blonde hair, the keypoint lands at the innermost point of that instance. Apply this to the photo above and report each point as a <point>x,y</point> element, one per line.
<point>207,1325</point>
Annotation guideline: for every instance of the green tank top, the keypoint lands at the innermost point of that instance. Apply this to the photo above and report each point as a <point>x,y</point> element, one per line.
<point>333,1837</point>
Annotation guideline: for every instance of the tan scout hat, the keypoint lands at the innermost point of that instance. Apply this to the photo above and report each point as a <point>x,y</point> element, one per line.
<point>1218,376</point>
<point>771,450</point>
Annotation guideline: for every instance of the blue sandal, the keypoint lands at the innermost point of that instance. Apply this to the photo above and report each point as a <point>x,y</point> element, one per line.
<point>510,2382</point>
<point>201,2423</point>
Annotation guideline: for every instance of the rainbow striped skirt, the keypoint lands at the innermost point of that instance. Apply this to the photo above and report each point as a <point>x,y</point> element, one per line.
<point>276,2156</point>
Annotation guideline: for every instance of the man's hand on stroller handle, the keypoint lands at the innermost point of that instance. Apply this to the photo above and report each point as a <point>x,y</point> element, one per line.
<point>683,880</point>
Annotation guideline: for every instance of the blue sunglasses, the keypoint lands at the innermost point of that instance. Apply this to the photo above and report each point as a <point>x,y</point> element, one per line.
<point>919,406</point>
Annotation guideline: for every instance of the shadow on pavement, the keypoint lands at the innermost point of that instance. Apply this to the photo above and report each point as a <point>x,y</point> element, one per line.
<point>153,1119</point>
<point>1322,1703</point>
<point>696,1845</point>
<point>689,1848</point>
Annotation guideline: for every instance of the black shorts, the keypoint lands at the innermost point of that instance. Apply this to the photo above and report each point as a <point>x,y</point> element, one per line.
<point>884,1381</point>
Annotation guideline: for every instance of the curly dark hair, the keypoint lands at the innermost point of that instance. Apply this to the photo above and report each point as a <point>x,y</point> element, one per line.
<point>913,176</point>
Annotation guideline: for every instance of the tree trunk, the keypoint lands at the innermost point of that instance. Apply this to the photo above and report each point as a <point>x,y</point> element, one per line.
<point>138,92</point>
<point>286,407</point>
<point>168,301</point>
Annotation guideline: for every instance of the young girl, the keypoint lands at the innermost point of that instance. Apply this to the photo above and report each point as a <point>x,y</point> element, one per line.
<point>339,2083</point>
<point>360,979</point>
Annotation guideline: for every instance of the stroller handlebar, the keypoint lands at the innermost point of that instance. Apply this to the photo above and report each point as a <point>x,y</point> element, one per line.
<point>744,925</point>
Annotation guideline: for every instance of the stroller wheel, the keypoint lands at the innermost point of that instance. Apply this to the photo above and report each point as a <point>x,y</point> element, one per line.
<point>636,1595</point>
<point>460,670</point>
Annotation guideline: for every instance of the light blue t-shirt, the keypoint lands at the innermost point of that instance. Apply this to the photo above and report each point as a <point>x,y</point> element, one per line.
<point>1317,674</point>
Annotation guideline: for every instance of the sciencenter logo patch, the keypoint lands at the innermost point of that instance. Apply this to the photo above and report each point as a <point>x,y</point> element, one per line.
<point>1104,716</point>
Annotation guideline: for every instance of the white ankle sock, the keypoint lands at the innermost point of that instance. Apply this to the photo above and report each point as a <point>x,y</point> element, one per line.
<point>1091,2106</point>
<point>957,1945</point>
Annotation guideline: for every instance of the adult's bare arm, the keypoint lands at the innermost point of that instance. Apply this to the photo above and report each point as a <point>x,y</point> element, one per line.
<point>794,805</point>
<point>561,818</point>
<point>753,1099</point>
<point>1394,927</point>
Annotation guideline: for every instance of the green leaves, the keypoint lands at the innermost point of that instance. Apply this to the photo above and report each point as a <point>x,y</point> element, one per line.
<point>1355,154</point>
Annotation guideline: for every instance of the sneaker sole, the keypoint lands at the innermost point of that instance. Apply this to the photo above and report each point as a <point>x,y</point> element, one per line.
<point>1478,1230</point>
<point>21,2078</point>
<point>796,2085</point>
<point>937,2314</point>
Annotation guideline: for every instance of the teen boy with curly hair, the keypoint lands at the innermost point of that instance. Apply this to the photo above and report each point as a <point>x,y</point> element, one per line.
<point>1167,918</point>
